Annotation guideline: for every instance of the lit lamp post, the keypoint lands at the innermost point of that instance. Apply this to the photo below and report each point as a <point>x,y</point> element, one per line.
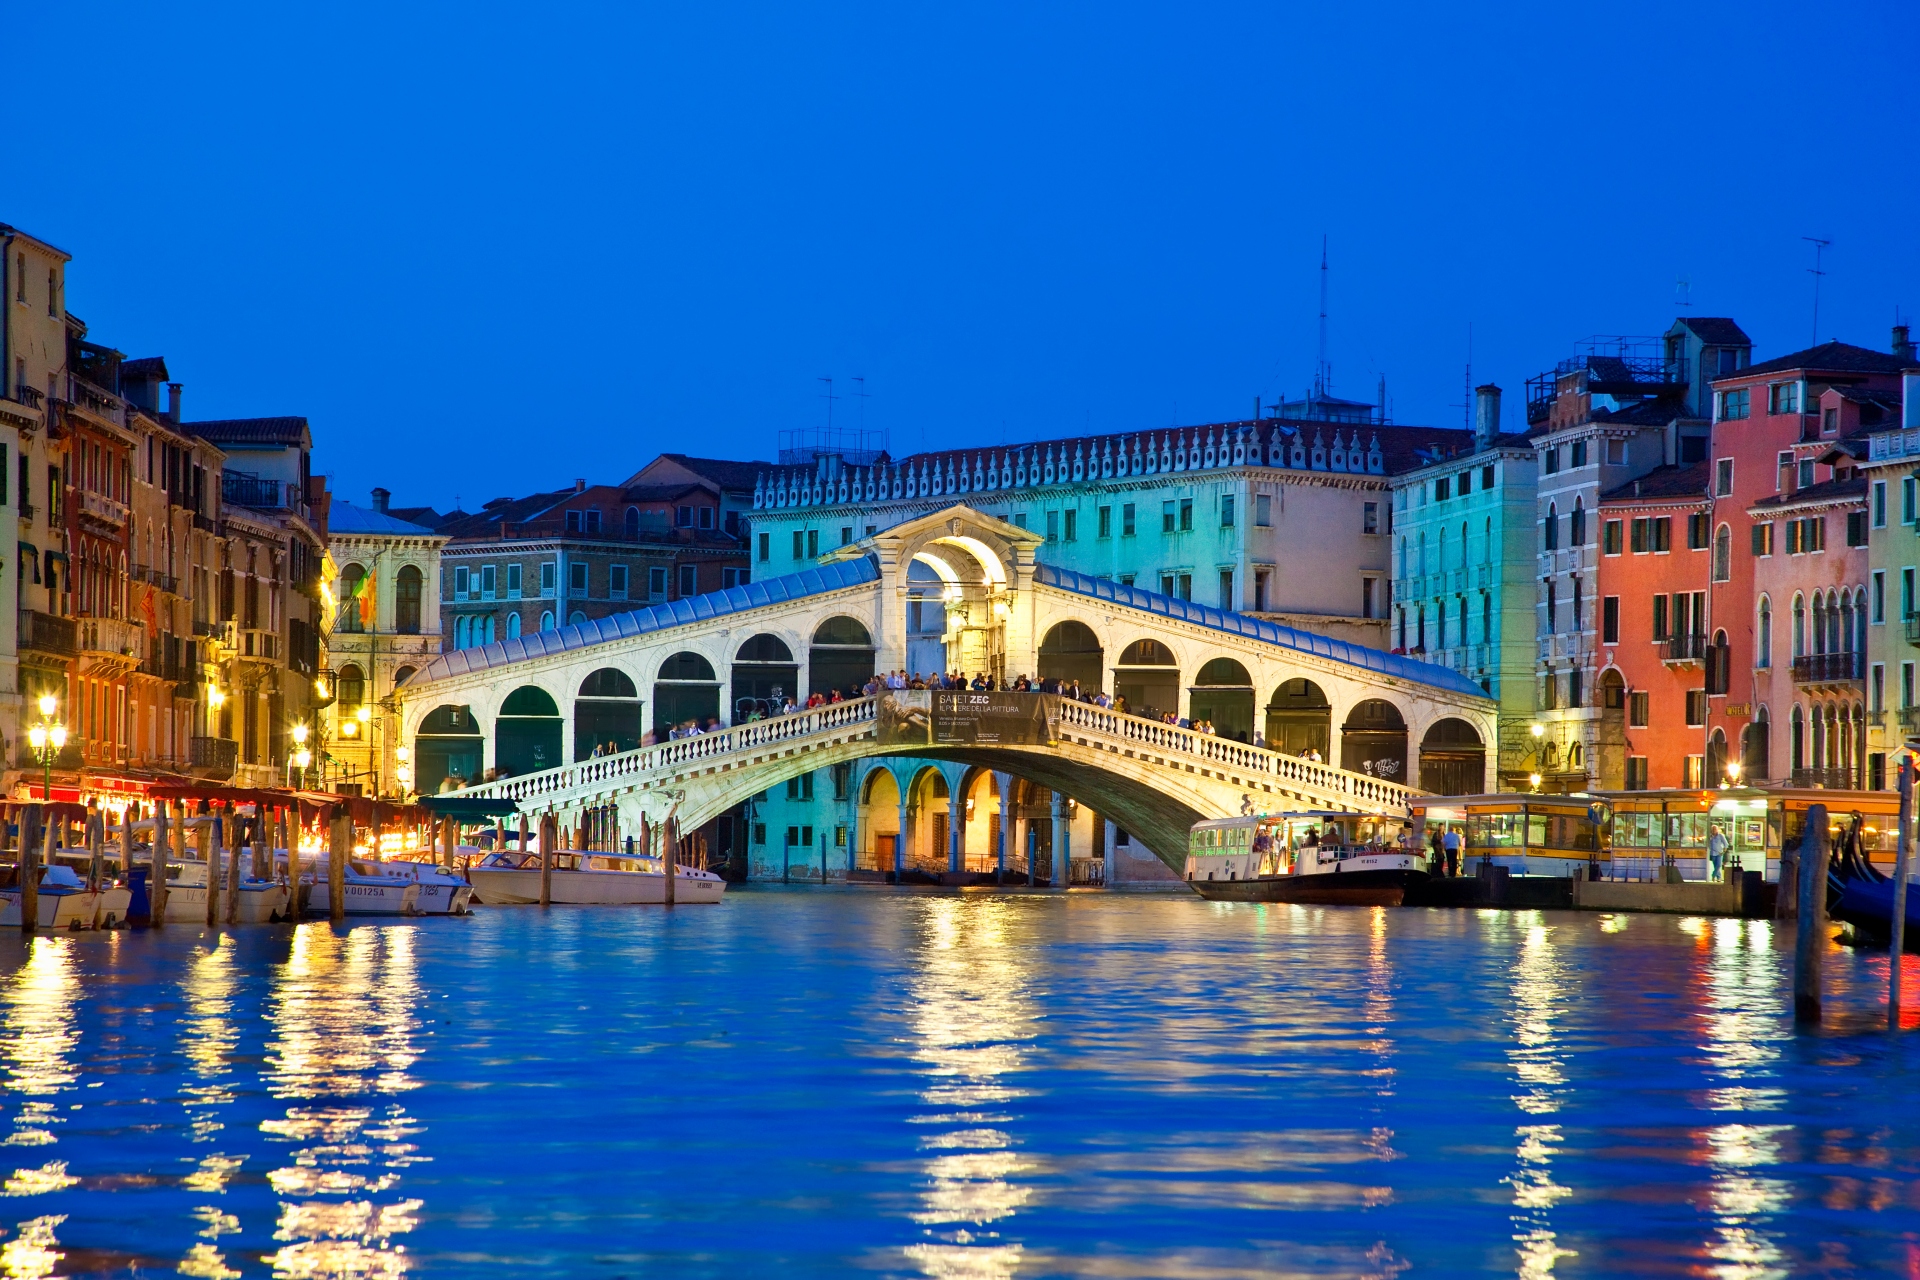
<point>1539,732</point>
<point>1733,773</point>
<point>299,758</point>
<point>49,739</point>
<point>403,772</point>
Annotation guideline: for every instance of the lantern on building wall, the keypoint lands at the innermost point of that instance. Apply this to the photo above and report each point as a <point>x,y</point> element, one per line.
<point>324,688</point>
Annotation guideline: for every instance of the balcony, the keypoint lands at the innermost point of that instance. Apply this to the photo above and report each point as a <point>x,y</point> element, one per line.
<point>213,757</point>
<point>1913,628</point>
<point>1827,779</point>
<point>21,410</point>
<point>260,646</point>
<point>1910,718</point>
<point>101,508</point>
<point>154,578</point>
<point>1827,668</point>
<point>1683,651</point>
<point>109,647</point>
<point>44,633</point>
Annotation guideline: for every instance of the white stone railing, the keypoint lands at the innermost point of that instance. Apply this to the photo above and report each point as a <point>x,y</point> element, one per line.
<point>561,785</point>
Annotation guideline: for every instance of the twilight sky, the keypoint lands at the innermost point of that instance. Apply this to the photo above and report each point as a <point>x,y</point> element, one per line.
<point>486,249</point>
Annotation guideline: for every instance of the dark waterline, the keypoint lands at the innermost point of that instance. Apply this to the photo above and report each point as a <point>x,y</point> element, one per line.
<point>823,1083</point>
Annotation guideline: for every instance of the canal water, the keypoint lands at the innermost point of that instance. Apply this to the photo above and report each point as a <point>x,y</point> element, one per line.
<point>831,1083</point>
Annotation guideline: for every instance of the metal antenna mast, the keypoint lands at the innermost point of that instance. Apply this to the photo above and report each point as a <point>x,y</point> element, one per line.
<point>829,397</point>
<point>861,396</point>
<point>1320,378</point>
<point>1819,248</point>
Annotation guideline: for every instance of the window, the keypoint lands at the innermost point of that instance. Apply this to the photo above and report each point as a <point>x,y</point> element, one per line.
<point>1906,684</point>
<point>1019,520</point>
<point>1577,525</point>
<point>1663,534</point>
<point>800,787</point>
<point>734,576</point>
<point>1553,606</point>
<point>1906,499</point>
<point>813,543</point>
<point>1126,520</point>
<point>593,521</point>
<point>1637,770</point>
<point>846,531</point>
<point>1696,708</point>
<point>1186,586</point>
<point>461,577</point>
<point>1070,526</point>
<point>1660,617</point>
<point>1464,483</point>
<point>1697,531</point>
<point>1723,478</point>
<point>489,578</point>
<point>1168,516</point>
<point>1642,535</point>
<point>799,544</point>
<point>1879,504</point>
<point>766,550</point>
<point>1806,473</point>
<point>706,518</point>
<point>1735,405</point>
<point>1550,692</point>
<point>1877,689</point>
<point>1369,517</point>
<point>617,582</point>
<point>1830,422</point>
<point>1610,538</point>
<point>1906,593</point>
<point>1574,694</point>
<point>1366,595</point>
<point>1550,529</point>
<point>1186,514</point>
<point>1879,595</point>
<point>689,580</point>
<point>1579,454</point>
<point>1637,709</point>
<point>657,582</point>
<point>1552,460</point>
<point>1442,489</point>
<point>1763,650</point>
<point>1856,528</point>
<point>1486,477</point>
<point>573,522</point>
<point>1263,509</point>
<point>1053,526</point>
<point>759,833</point>
<point>577,578</point>
<point>1610,620</point>
<point>1105,522</point>
<point>1226,511</point>
<point>683,517</point>
<point>515,573</point>
<point>1763,539</point>
<point>1723,553</point>
<point>408,587</point>
<point>1226,589</point>
<point>547,572</point>
<point>1783,397</point>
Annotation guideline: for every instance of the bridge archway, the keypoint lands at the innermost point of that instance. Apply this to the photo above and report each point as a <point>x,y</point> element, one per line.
<point>1222,695</point>
<point>879,820</point>
<point>607,713</point>
<point>841,657</point>
<point>527,731</point>
<point>930,818</point>
<point>1300,719</point>
<point>1453,759</point>
<point>1374,740</point>
<point>1071,651</point>
<point>763,671</point>
<point>448,744</point>
<point>684,689</point>
<point>980,810</point>
<point>1148,677</point>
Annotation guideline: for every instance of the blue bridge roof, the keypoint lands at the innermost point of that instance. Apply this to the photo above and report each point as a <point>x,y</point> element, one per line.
<point>1390,664</point>
<point>678,613</point>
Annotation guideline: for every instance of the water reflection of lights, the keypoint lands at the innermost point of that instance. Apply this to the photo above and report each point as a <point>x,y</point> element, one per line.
<point>37,1033</point>
<point>970,1020</point>
<point>1538,1066</point>
<point>344,1016</point>
<point>31,1253</point>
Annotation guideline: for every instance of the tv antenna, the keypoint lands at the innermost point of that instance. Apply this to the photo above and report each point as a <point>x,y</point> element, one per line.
<point>829,397</point>
<point>861,396</point>
<point>1320,378</point>
<point>1684,289</point>
<point>1819,249</point>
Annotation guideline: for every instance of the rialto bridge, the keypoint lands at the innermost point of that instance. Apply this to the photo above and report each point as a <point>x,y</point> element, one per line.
<point>537,707</point>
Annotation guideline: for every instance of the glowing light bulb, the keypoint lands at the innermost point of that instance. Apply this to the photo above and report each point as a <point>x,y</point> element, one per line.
<point>299,734</point>
<point>38,737</point>
<point>59,736</point>
<point>48,705</point>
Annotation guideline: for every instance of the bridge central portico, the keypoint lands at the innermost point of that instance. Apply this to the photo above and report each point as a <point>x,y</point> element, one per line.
<point>537,706</point>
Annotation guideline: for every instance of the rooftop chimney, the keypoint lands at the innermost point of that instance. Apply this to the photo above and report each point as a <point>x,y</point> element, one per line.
<point>173,401</point>
<point>579,486</point>
<point>1902,344</point>
<point>380,497</point>
<point>1486,413</point>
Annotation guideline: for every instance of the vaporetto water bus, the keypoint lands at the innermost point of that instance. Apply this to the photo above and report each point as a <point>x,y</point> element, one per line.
<point>1310,856</point>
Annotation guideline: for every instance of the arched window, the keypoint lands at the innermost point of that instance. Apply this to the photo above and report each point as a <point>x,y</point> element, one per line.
<point>1723,554</point>
<point>486,631</point>
<point>401,676</point>
<point>1763,650</point>
<point>1486,548</point>
<point>406,601</point>
<point>462,632</point>
<point>576,618</point>
<point>1833,623</point>
<point>1463,544</point>
<point>1797,739</point>
<point>1405,568</point>
<point>633,522</point>
<point>1550,531</point>
<point>351,688</point>
<point>513,625</point>
<point>351,584</point>
<point>1799,636</point>
<point>1845,644</point>
<point>1577,525</point>
<point>1423,551</point>
<point>546,620</point>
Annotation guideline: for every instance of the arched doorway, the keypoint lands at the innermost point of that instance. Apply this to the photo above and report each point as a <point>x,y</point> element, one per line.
<point>685,690</point>
<point>607,714</point>
<point>763,673</point>
<point>1374,740</point>
<point>841,658</point>
<point>1070,651</point>
<point>1222,694</point>
<point>447,745</point>
<point>980,851</point>
<point>926,618</point>
<point>879,821</point>
<point>1299,719</point>
<point>1148,678</point>
<point>1453,759</point>
<point>930,810</point>
<point>527,738</point>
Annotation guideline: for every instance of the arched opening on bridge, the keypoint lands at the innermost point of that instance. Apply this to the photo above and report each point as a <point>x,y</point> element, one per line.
<point>1374,740</point>
<point>929,821</point>
<point>1148,678</point>
<point>764,672</point>
<point>927,578</point>
<point>1222,695</point>
<point>527,737</point>
<point>447,745</point>
<point>980,808</point>
<point>1453,759</point>
<point>959,622</point>
<point>607,714</point>
<point>1070,651</point>
<point>1299,719</point>
<point>841,657</point>
<point>879,821</point>
<point>685,690</point>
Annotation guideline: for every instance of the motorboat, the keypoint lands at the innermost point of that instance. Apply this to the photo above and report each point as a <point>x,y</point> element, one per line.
<point>589,879</point>
<point>65,902</point>
<point>261,901</point>
<point>1315,856</point>
<point>370,891</point>
<point>442,892</point>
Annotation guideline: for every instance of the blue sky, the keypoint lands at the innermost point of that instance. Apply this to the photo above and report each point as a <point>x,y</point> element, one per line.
<point>487,249</point>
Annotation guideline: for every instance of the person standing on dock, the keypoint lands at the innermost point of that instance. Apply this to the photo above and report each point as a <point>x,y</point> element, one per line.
<point>1450,843</point>
<point>1716,853</point>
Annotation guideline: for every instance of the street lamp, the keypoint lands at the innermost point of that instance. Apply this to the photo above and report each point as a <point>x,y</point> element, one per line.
<point>49,739</point>
<point>1733,773</point>
<point>1534,778</point>
<point>403,772</point>
<point>299,758</point>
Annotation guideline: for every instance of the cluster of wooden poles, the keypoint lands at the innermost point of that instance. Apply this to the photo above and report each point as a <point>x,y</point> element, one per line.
<point>656,840</point>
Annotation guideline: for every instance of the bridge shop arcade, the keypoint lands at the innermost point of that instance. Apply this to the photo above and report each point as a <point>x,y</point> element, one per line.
<point>581,717</point>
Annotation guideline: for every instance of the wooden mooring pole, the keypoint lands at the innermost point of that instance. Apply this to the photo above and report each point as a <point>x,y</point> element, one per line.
<point>1810,942</point>
<point>549,836</point>
<point>339,849</point>
<point>31,817</point>
<point>670,860</point>
<point>157,859</point>
<point>1896,953</point>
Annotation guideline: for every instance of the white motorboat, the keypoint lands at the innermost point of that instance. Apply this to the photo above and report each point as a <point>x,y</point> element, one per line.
<point>261,901</point>
<point>442,892</point>
<point>368,893</point>
<point>589,879</point>
<point>66,903</point>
